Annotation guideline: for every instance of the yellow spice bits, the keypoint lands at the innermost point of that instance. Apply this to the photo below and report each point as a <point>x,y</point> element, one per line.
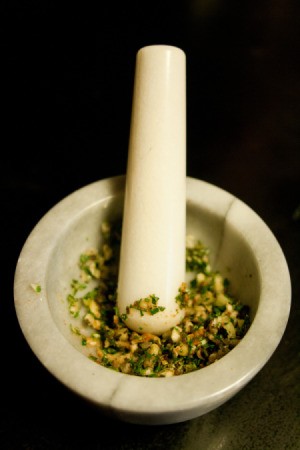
<point>214,322</point>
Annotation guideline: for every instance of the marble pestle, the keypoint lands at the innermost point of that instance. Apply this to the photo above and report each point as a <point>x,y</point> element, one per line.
<point>152,256</point>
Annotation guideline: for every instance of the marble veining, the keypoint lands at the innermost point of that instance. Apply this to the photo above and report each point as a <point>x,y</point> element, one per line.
<point>231,202</point>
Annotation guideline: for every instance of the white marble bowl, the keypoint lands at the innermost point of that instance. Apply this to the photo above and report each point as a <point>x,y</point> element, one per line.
<point>242,247</point>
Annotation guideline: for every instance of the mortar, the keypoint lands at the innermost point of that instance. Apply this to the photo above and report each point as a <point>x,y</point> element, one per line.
<point>242,248</point>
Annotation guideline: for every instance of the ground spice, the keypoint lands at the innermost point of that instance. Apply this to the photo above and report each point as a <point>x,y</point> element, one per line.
<point>214,321</point>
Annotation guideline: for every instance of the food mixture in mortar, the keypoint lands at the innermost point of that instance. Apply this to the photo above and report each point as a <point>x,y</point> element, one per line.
<point>214,321</point>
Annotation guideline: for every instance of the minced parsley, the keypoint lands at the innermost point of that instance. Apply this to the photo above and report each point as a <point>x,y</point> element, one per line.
<point>36,287</point>
<point>214,321</point>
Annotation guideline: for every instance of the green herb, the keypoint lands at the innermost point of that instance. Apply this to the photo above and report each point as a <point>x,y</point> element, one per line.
<point>36,287</point>
<point>213,324</point>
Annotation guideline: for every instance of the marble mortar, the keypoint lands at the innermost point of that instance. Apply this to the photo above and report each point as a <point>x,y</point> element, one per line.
<point>241,246</point>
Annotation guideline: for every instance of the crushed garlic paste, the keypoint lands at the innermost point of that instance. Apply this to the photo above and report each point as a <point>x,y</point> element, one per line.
<point>214,322</point>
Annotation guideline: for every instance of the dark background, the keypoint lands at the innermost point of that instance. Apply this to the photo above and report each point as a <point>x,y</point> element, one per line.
<point>66,90</point>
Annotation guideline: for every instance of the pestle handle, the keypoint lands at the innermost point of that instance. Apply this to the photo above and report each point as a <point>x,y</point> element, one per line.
<point>152,255</point>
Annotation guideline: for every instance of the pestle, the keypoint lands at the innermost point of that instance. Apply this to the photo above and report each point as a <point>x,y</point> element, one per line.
<point>152,254</point>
